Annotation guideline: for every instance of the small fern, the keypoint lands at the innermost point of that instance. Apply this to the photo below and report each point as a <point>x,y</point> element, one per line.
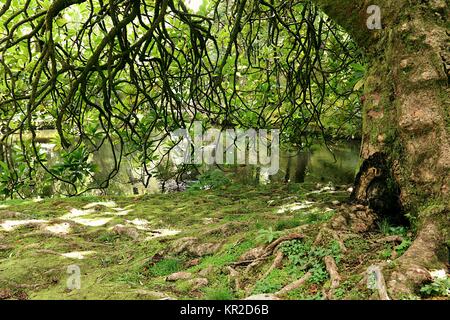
<point>267,235</point>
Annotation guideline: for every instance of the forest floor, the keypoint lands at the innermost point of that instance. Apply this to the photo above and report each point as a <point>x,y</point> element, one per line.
<point>207,244</point>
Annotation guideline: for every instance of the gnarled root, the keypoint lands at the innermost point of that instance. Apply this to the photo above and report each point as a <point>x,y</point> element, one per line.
<point>274,245</point>
<point>426,252</point>
<point>377,281</point>
<point>334,275</point>
<point>234,276</point>
<point>277,262</point>
<point>323,235</point>
<point>294,285</point>
<point>260,255</point>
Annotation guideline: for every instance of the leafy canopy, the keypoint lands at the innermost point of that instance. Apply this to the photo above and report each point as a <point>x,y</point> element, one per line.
<point>123,74</point>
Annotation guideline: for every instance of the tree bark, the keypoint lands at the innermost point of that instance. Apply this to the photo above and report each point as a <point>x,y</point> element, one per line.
<point>405,154</point>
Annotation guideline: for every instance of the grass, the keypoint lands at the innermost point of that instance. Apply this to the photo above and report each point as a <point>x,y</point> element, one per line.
<point>122,267</point>
<point>165,267</point>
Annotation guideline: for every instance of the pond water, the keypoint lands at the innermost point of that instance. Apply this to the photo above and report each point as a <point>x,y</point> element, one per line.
<point>335,164</point>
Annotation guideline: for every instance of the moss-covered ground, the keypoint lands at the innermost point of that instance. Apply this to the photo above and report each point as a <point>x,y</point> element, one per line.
<point>133,260</point>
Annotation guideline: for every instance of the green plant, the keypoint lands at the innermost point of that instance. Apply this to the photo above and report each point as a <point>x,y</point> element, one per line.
<point>348,287</point>
<point>276,280</point>
<point>21,175</point>
<point>267,235</point>
<point>439,287</point>
<point>310,257</point>
<point>107,237</point>
<point>387,252</point>
<point>210,180</point>
<point>265,286</point>
<point>315,215</point>
<point>296,251</point>
<point>6,180</point>
<point>318,273</point>
<point>402,247</point>
<point>74,166</point>
<point>386,227</point>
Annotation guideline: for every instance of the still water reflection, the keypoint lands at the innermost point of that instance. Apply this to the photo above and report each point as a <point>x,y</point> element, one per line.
<point>336,164</point>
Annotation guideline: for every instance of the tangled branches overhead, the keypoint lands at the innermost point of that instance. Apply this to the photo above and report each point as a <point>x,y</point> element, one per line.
<point>116,72</point>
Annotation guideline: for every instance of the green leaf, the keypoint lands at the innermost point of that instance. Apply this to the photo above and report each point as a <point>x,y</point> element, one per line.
<point>359,85</point>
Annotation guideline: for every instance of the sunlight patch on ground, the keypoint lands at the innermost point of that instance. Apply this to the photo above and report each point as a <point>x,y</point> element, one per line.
<point>77,254</point>
<point>107,204</point>
<point>128,207</point>
<point>4,206</point>
<point>75,213</point>
<point>140,224</point>
<point>119,212</point>
<point>10,225</point>
<point>295,207</point>
<point>60,228</point>
<point>92,222</point>
<point>78,216</point>
<point>157,233</point>
<point>438,274</point>
<point>323,190</point>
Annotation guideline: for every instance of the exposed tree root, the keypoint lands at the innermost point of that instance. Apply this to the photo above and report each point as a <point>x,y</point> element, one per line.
<point>412,268</point>
<point>396,279</point>
<point>273,246</point>
<point>322,235</point>
<point>234,276</point>
<point>294,285</point>
<point>397,239</point>
<point>259,256</point>
<point>351,218</point>
<point>255,264</point>
<point>334,275</point>
<point>277,262</point>
<point>250,261</point>
<point>356,218</point>
<point>376,281</point>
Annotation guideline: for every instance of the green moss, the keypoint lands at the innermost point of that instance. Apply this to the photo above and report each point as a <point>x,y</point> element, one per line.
<point>287,224</point>
<point>120,264</point>
<point>218,293</point>
<point>165,267</point>
<point>276,280</point>
<point>122,267</point>
<point>347,289</point>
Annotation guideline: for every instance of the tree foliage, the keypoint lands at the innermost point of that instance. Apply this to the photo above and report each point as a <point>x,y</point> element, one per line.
<point>123,74</point>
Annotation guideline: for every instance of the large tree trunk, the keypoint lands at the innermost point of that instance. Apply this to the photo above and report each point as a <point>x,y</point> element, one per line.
<point>406,148</point>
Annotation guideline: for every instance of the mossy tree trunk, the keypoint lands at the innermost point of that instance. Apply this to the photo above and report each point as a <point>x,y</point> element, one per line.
<point>406,145</point>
